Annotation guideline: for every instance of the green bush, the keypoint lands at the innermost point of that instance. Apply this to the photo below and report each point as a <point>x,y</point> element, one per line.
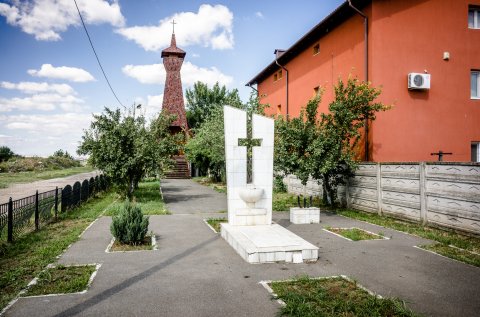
<point>278,185</point>
<point>29,164</point>
<point>130,226</point>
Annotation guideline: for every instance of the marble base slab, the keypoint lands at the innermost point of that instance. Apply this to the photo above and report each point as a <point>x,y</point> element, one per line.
<point>268,244</point>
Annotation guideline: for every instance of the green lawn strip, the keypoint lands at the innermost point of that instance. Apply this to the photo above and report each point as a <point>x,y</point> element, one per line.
<point>215,223</point>
<point>21,261</point>
<point>146,244</point>
<point>444,237</point>
<point>354,234</point>
<point>217,186</point>
<point>334,297</point>
<point>148,197</point>
<point>61,280</point>
<point>7,179</point>
<point>454,253</point>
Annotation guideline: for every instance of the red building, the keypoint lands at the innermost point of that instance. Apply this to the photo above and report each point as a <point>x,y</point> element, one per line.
<point>437,42</point>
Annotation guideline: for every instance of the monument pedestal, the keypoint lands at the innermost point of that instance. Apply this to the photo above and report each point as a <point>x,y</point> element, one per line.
<point>268,244</point>
<point>304,215</point>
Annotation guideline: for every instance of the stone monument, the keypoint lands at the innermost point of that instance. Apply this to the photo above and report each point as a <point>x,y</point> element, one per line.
<point>249,165</point>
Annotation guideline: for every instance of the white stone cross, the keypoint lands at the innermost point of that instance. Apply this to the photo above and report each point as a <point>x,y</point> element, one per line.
<point>237,160</point>
<point>249,142</point>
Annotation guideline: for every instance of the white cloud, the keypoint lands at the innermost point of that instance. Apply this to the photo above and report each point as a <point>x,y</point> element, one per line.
<point>155,74</point>
<point>46,19</point>
<point>74,74</point>
<point>43,102</point>
<point>57,131</point>
<point>259,14</point>
<point>153,106</point>
<point>29,87</point>
<point>210,27</point>
<point>146,74</point>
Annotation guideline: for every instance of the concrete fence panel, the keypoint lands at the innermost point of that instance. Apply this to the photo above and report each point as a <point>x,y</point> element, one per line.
<point>442,194</point>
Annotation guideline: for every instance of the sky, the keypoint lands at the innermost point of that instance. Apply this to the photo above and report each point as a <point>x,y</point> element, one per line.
<point>51,84</point>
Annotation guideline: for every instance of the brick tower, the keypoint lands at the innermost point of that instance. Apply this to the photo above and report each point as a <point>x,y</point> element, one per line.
<point>173,94</point>
<point>173,102</point>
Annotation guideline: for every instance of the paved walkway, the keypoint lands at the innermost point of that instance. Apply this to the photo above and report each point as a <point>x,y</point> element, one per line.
<point>196,273</point>
<point>184,196</point>
<point>18,191</point>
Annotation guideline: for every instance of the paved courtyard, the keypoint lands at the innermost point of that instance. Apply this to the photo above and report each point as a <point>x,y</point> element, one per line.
<point>195,272</point>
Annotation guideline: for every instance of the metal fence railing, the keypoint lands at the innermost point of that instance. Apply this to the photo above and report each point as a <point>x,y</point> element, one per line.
<point>30,213</point>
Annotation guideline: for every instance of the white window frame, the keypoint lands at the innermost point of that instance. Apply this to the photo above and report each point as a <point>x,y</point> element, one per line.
<point>476,17</point>
<point>475,94</point>
<point>478,150</point>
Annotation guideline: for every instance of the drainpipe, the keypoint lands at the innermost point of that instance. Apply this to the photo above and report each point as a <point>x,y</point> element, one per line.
<point>365,21</point>
<point>286,76</point>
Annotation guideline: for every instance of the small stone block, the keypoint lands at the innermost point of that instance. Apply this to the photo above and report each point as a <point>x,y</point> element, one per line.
<point>304,215</point>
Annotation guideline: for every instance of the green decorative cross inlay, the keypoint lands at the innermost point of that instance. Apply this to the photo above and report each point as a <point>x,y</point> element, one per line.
<point>249,142</point>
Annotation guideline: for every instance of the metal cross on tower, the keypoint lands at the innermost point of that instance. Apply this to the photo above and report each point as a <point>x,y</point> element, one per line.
<point>249,142</point>
<point>173,24</point>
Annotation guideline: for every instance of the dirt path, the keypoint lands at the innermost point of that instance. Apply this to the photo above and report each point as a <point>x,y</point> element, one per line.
<point>17,191</point>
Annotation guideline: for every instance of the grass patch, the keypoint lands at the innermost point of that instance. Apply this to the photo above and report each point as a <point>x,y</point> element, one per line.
<point>62,280</point>
<point>146,244</point>
<point>215,223</point>
<point>206,181</point>
<point>7,179</point>
<point>148,198</point>
<point>334,297</point>
<point>454,253</point>
<point>21,261</point>
<point>443,237</point>
<point>283,201</point>
<point>354,234</point>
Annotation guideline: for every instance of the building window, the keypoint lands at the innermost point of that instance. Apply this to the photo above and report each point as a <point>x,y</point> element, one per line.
<point>474,17</point>
<point>279,109</point>
<point>475,153</point>
<point>475,84</point>
<point>316,91</point>
<point>316,49</point>
<point>275,77</point>
<point>280,74</point>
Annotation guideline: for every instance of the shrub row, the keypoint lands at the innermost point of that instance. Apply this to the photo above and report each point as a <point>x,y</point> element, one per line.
<point>29,164</point>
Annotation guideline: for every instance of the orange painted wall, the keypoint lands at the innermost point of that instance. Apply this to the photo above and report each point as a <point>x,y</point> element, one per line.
<point>444,117</point>
<point>341,54</point>
<point>404,36</point>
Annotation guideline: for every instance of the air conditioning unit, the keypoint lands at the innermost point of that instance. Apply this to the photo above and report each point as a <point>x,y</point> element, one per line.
<point>418,81</point>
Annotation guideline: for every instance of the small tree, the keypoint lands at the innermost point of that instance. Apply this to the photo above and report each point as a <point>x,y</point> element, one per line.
<point>126,149</point>
<point>335,149</point>
<point>325,148</point>
<point>293,141</point>
<point>202,102</point>
<point>61,153</point>
<point>5,153</point>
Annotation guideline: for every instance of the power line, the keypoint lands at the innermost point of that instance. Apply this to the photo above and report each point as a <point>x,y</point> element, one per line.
<point>98,60</point>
